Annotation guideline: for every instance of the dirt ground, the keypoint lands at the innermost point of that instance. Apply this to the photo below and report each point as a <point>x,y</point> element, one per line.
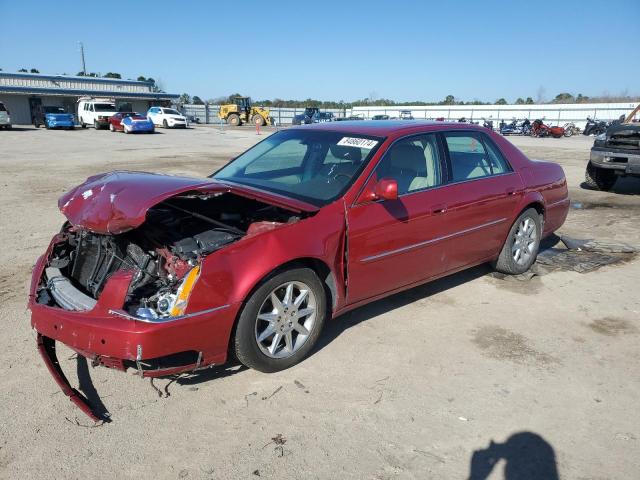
<point>472,376</point>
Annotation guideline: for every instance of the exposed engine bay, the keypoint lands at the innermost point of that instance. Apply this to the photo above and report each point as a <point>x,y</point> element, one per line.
<point>165,252</point>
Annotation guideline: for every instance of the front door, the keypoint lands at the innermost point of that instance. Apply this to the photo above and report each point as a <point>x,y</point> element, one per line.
<point>394,243</point>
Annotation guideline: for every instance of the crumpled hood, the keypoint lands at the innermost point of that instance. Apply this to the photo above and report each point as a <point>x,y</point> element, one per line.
<point>118,201</point>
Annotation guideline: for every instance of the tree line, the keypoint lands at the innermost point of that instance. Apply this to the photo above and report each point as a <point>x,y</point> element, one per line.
<point>385,102</point>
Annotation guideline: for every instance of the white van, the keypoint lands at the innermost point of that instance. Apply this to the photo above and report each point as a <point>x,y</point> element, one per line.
<point>5,120</point>
<point>95,111</point>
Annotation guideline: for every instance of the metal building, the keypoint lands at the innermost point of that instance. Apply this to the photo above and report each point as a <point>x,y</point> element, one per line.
<point>22,93</point>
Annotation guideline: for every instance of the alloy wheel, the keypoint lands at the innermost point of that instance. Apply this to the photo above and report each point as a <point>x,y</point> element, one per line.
<point>286,319</point>
<point>524,241</point>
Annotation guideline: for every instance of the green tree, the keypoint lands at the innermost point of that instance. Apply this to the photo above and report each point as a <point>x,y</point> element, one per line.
<point>184,98</point>
<point>449,100</point>
<point>519,101</point>
<point>501,101</point>
<point>196,100</point>
<point>141,79</point>
<point>112,75</point>
<point>563,98</point>
<point>23,70</point>
<point>34,70</point>
<point>529,101</point>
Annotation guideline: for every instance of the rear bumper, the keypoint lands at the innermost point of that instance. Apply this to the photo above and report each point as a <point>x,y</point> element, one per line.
<point>626,162</point>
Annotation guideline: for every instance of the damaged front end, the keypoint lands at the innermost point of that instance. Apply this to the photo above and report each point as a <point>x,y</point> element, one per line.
<point>122,299</point>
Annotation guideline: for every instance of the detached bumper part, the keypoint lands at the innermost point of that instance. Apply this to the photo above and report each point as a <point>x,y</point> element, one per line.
<point>47,349</point>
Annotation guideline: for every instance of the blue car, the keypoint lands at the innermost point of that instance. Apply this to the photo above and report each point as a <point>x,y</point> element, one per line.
<point>130,122</point>
<point>53,117</point>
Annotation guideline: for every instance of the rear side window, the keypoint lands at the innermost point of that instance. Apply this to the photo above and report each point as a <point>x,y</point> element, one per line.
<point>2,109</point>
<point>473,155</point>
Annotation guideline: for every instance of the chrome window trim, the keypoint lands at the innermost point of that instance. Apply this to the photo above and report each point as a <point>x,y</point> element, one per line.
<point>128,316</point>
<point>429,242</point>
<point>442,133</point>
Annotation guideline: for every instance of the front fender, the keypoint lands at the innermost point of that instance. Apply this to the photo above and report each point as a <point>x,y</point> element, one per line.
<point>230,274</point>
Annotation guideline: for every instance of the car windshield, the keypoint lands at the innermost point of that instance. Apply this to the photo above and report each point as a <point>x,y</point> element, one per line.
<point>171,111</point>
<point>54,110</point>
<point>104,107</point>
<point>310,165</point>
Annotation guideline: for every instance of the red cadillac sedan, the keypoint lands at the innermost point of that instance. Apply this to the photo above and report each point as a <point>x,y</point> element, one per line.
<point>166,274</point>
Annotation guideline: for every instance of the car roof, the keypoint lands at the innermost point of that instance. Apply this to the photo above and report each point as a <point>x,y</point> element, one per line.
<point>383,128</point>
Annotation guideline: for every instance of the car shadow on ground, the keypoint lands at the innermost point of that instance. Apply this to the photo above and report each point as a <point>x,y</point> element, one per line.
<point>623,186</point>
<point>526,456</point>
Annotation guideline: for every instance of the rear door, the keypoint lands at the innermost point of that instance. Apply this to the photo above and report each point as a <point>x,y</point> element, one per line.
<point>483,192</point>
<point>394,243</point>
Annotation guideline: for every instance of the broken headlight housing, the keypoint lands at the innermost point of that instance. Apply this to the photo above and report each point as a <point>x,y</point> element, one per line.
<point>169,302</point>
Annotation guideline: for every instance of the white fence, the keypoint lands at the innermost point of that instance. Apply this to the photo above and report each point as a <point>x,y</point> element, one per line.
<point>553,114</point>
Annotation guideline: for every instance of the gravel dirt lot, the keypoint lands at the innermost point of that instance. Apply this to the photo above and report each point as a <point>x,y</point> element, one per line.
<point>413,386</point>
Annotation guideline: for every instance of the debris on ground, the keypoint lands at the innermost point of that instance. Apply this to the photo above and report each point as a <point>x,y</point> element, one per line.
<point>571,254</point>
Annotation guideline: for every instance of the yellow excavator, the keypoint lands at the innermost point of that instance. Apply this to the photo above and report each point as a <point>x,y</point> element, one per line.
<point>242,111</point>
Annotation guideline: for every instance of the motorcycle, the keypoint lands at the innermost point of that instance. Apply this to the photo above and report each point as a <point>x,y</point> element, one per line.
<point>595,127</point>
<point>515,127</point>
<point>539,129</point>
<point>488,124</point>
<point>570,129</point>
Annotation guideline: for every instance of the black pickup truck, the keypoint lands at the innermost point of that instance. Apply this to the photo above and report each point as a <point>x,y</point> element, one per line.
<point>615,153</point>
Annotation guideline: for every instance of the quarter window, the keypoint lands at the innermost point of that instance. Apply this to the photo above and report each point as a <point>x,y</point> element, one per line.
<point>412,162</point>
<point>472,156</point>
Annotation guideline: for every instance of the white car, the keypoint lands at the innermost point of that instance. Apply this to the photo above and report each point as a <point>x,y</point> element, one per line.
<point>96,112</point>
<point>167,117</point>
<point>5,120</point>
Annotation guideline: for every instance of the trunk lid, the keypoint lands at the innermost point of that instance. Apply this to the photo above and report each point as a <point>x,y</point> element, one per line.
<point>115,202</point>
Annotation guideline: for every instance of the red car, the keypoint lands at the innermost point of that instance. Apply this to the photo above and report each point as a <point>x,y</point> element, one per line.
<point>130,122</point>
<point>166,274</point>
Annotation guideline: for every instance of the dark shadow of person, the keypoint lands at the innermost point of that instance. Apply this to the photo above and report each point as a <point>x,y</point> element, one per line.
<point>528,456</point>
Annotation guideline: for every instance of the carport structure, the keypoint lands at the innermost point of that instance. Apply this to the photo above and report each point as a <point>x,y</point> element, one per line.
<point>22,93</point>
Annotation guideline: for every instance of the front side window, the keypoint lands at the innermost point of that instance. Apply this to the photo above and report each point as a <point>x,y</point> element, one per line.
<point>472,156</point>
<point>413,162</point>
<point>171,111</point>
<point>310,165</point>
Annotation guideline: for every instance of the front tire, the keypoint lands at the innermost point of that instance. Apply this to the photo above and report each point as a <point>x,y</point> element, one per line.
<point>599,178</point>
<point>111,127</point>
<point>165,124</point>
<point>233,120</point>
<point>281,321</point>
<point>521,247</point>
<point>258,120</point>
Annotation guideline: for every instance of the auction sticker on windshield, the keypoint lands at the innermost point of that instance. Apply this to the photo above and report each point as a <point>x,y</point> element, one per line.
<point>357,142</point>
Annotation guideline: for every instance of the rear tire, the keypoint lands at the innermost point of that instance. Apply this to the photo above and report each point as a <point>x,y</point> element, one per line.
<point>258,120</point>
<point>255,336</point>
<point>522,244</point>
<point>96,126</point>
<point>111,127</point>
<point>233,120</point>
<point>599,178</point>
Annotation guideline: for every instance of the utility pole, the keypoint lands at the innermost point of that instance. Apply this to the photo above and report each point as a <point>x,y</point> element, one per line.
<point>84,66</point>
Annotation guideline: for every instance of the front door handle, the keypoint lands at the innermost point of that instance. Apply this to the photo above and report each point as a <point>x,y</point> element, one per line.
<point>438,209</point>
<point>510,191</point>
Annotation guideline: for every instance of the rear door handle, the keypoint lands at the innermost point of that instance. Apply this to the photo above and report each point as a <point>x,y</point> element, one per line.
<point>510,191</point>
<point>437,209</point>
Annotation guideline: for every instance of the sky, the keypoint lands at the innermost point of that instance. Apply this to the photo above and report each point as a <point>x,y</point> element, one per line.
<point>337,50</point>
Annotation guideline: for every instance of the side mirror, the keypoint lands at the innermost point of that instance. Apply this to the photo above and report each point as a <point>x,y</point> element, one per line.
<point>387,189</point>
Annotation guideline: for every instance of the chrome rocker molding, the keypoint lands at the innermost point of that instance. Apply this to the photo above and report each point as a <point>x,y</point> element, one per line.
<point>429,242</point>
